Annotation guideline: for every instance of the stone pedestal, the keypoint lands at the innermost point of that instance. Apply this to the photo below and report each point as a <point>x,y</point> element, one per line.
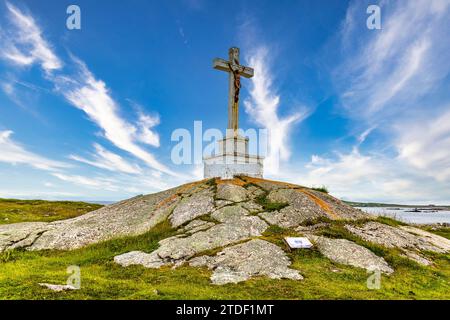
<point>233,159</point>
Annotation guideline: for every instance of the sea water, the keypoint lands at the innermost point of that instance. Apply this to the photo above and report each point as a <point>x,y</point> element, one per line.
<point>402,214</point>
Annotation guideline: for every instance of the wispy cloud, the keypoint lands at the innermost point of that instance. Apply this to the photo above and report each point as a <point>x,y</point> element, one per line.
<point>26,45</point>
<point>146,124</point>
<point>388,70</point>
<point>393,80</point>
<point>108,160</point>
<point>14,153</point>
<point>93,97</point>
<point>426,145</point>
<point>263,108</point>
<point>95,183</point>
<point>82,90</point>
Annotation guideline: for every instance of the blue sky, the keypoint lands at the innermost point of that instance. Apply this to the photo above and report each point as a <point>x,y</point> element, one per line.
<point>88,114</point>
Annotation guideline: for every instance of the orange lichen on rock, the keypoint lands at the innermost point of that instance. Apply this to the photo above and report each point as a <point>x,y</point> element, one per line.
<point>236,181</point>
<point>260,180</point>
<point>320,203</point>
<point>168,200</point>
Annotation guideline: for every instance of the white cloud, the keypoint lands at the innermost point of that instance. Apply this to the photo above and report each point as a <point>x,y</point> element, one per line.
<point>426,145</point>
<point>392,80</point>
<point>93,97</point>
<point>27,45</point>
<point>82,90</point>
<point>385,71</point>
<point>94,183</point>
<point>368,178</point>
<point>38,194</point>
<point>263,107</point>
<point>108,160</point>
<point>13,153</point>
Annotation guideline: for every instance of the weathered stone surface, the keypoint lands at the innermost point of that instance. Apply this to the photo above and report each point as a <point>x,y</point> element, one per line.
<point>177,249</point>
<point>229,213</point>
<point>252,207</point>
<point>197,225</point>
<point>349,253</point>
<point>254,192</point>
<point>126,218</point>
<point>192,207</point>
<point>244,261</point>
<point>337,207</point>
<point>231,192</point>
<point>220,235</point>
<point>417,258</point>
<point>271,185</point>
<point>429,237</point>
<point>404,238</point>
<point>222,203</point>
<point>130,217</point>
<point>57,287</point>
<point>300,209</point>
<point>408,239</point>
<point>148,260</point>
<point>20,235</point>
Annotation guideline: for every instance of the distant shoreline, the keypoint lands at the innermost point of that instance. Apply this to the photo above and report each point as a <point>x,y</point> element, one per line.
<point>392,205</point>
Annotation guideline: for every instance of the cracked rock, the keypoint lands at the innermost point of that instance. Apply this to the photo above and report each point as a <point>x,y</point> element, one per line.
<point>231,192</point>
<point>229,213</point>
<point>404,237</point>
<point>20,235</point>
<point>197,225</point>
<point>409,239</point>
<point>300,209</point>
<point>148,260</point>
<point>349,253</point>
<point>192,207</point>
<point>220,235</point>
<point>179,249</point>
<point>244,261</point>
<point>252,207</point>
<point>125,218</point>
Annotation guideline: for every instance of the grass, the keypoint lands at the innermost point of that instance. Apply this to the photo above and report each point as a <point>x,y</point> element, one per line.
<point>323,189</point>
<point>441,231</point>
<point>12,210</point>
<point>101,278</point>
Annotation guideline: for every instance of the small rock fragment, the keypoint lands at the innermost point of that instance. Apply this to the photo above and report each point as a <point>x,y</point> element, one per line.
<point>57,287</point>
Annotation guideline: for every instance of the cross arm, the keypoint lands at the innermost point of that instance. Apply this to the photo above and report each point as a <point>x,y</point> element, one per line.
<point>223,65</point>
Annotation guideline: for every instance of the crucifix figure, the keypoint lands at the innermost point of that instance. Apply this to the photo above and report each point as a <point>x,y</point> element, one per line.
<point>235,71</point>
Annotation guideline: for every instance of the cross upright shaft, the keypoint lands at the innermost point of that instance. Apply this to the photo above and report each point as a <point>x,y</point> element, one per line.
<point>235,71</point>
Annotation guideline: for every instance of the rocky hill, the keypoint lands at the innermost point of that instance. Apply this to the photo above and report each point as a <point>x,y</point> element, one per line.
<point>223,225</point>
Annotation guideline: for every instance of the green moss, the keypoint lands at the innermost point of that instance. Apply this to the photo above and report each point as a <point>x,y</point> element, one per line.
<point>211,182</point>
<point>251,184</point>
<point>13,210</point>
<point>268,205</point>
<point>311,222</point>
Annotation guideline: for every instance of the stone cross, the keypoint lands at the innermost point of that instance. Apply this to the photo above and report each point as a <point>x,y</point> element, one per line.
<point>235,71</point>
